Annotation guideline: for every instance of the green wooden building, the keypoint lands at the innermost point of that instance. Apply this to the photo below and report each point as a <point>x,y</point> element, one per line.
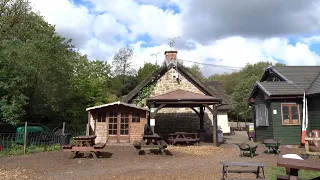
<point>277,102</point>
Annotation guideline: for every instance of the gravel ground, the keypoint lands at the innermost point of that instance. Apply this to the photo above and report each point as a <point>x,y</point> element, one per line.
<point>123,162</point>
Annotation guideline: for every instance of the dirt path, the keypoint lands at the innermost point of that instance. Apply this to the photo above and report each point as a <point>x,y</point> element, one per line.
<point>123,162</point>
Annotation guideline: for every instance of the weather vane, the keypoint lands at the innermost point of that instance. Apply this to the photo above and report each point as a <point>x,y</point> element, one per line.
<point>172,41</point>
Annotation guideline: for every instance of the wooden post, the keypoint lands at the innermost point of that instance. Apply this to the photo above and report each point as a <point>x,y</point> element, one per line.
<point>201,118</point>
<point>25,138</point>
<point>88,130</point>
<point>63,128</point>
<point>88,124</point>
<point>152,116</point>
<point>215,125</point>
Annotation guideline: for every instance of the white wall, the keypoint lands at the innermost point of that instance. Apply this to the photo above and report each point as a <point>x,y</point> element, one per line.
<point>223,121</point>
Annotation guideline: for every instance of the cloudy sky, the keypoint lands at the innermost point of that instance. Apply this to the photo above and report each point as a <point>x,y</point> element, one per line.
<point>220,32</point>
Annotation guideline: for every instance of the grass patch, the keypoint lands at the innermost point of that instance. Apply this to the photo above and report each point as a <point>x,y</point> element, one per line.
<point>16,149</point>
<point>273,171</point>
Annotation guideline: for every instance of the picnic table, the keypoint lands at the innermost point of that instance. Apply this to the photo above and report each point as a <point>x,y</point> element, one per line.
<point>257,168</point>
<point>84,144</point>
<point>150,142</point>
<point>294,165</point>
<point>184,137</point>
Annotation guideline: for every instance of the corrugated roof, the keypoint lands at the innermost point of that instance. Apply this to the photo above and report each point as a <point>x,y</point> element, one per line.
<point>315,86</point>
<point>279,88</point>
<point>117,103</point>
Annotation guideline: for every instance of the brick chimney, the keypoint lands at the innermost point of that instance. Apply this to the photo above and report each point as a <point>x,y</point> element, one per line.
<point>170,55</point>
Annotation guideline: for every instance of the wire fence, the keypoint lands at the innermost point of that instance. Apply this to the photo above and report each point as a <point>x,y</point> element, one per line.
<point>31,138</point>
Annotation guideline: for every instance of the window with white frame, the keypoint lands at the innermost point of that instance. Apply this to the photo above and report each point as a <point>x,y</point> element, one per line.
<point>261,115</point>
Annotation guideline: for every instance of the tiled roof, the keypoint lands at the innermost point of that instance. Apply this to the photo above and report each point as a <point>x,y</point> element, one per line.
<point>279,88</point>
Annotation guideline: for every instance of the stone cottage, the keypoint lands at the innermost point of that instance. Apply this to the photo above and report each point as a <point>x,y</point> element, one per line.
<point>173,77</point>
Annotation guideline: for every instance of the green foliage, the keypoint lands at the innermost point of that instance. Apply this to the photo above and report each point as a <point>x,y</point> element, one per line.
<point>145,93</point>
<point>195,69</point>
<point>239,86</point>
<point>17,149</point>
<point>146,70</point>
<point>273,171</point>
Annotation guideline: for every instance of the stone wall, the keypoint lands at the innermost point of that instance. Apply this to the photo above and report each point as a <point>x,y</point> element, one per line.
<point>167,123</point>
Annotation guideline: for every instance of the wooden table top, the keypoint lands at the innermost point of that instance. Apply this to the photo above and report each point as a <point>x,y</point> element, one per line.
<point>243,164</point>
<point>298,164</point>
<point>90,137</point>
<point>155,135</point>
<point>181,133</point>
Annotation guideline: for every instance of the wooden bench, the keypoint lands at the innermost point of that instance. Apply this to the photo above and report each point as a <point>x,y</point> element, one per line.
<point>69,146</point>
<point>183,137</point>
<point>99,146</point>
<point>258,168</point>
<point>142,146</point>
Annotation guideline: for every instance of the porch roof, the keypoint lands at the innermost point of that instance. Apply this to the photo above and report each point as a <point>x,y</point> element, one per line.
<point>183,98</point>
<point>117,103</point>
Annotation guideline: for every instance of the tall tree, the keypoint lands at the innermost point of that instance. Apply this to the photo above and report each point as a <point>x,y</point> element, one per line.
<point>146,70</point>
<point>122,61</point>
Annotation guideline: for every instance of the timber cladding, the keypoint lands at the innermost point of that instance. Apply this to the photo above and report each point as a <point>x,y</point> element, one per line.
<point>117,123</point>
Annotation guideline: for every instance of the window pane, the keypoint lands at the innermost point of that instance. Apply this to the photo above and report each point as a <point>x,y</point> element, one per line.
<point>126,132</point>
<point>295,121</point>
<point>126,126</point>
<point>110,131</point>
<point>114,132</point>
<point>285,114</point>
<point>285,109</point>
<point>294,112</point>
<point>126,120</point>
<point>122,126</point>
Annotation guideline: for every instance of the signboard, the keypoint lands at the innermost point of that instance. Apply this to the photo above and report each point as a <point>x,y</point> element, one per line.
<point>152,122</point>
<point>275,111</point>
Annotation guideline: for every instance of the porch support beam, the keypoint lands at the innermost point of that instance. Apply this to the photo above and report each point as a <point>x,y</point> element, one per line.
<point>215,123</point>
<point>153,114</point>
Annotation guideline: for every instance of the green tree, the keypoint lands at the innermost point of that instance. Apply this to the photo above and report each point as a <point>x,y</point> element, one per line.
<point>245,82</point>
<point>146,70</point>
<point>195,69</point>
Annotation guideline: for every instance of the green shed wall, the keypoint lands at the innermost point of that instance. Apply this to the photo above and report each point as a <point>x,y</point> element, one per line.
<point>290,135</point>
<point>314,112</point>
<point>264,132</point>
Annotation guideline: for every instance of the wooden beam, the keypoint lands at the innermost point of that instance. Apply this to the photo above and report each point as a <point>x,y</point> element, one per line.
<point>214,111</point>
<point>88,127</point>
<point>215,125</point>
<point>195,111</point>
<point>159,108</point>
<point>201,117</point>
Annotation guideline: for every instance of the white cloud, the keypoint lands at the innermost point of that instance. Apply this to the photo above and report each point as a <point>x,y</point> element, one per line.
<point>96,34</point>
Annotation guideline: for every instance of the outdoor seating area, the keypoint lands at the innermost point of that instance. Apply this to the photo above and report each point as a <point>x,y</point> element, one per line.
<point>257,168</point>
<point>183,138</point>
<point>84,144</point>
<point>149,143</point>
